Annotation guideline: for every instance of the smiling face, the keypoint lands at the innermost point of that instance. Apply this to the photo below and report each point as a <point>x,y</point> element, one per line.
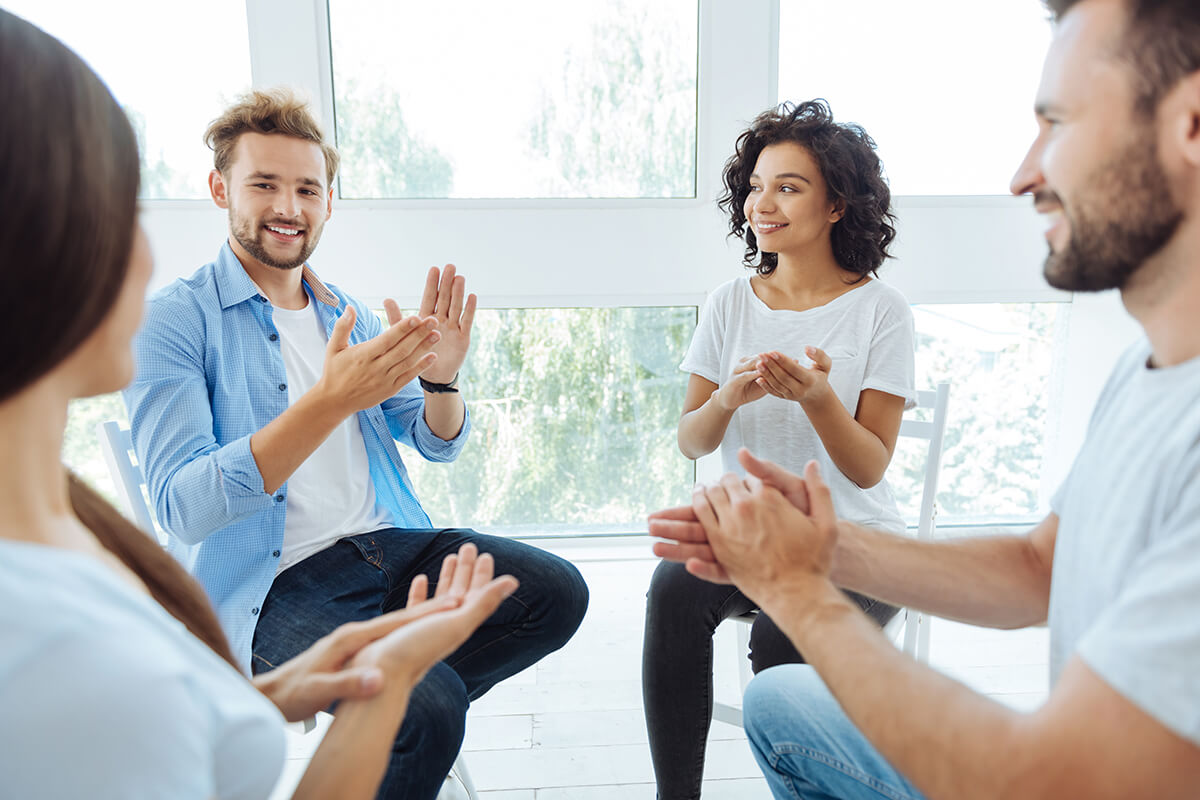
<point>788,208</point>
<point>274,189</point>
<point>1094,170</point>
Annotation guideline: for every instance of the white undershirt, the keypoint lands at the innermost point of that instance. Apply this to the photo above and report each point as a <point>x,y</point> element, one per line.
<point>329,496</point>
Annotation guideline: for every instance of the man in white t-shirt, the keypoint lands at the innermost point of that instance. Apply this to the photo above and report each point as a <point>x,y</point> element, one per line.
<point>266,410</point>
<point>1114,569</point>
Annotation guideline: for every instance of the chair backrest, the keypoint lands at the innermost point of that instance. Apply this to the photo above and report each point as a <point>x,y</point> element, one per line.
<point>932,431</point>
<point>117,447</point>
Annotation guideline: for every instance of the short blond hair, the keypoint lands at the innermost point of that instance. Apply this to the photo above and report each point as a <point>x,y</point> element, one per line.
<point>278,110</point>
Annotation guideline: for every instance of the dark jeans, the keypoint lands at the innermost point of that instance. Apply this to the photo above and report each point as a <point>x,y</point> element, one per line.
<point>363,576</point>
<point>682,613</point>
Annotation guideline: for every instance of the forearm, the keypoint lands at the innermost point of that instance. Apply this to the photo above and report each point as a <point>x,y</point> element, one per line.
<point>445,413</point>
<point>948,740</point>
<point>701,431</point>
<point>353,756</point>
<point>854,449</point>
<point>998,582</point>
<point>283,444</point>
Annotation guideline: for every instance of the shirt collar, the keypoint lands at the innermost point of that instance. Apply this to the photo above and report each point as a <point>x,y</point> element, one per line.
<point>234,285</point>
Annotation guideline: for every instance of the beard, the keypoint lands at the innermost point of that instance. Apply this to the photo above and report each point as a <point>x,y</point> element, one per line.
<point>1127,215</point>
<point>250,234</point>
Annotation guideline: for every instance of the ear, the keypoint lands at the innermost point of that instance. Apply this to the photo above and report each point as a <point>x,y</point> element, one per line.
<point>217,188</point>
<point>1185,120</point>
<point>329,205</point>
<point>837,211</point>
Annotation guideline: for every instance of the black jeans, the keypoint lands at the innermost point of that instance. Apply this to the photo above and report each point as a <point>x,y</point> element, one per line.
<point>682,613</point>
<point>363,576</point>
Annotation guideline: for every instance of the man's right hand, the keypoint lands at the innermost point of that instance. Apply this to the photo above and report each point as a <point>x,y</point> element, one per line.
<point>359,376</point>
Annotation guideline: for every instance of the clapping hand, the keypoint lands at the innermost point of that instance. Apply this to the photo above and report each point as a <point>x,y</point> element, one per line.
<point>787,378</point>
<point>445,300</point>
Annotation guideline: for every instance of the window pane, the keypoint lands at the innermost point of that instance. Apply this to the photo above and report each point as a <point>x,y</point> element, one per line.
<point>172,66</point>
<point>81,442</point>
<point>593,98</point>
<point>1000,362</point>
<point>946,88</point>
<point>574,413</point>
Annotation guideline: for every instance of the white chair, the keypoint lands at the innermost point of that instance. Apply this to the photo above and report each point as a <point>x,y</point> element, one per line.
<point>117,446</point>
<point>914,624</point>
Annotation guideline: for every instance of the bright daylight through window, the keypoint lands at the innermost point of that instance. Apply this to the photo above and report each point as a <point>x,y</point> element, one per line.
<point>204,62</point>
<point>592,98</point>
<point>947,93</point>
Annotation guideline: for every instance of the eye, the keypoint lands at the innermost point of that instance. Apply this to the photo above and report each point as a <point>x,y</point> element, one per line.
<point>787,188</point>
<point>261,185</point>
<point>754,188</point>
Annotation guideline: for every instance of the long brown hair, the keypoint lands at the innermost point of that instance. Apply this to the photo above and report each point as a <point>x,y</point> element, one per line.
<point>69,168</point>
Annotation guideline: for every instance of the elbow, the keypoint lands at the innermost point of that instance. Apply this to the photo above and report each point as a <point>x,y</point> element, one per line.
<point>868,479</point>
<point>690,450</point>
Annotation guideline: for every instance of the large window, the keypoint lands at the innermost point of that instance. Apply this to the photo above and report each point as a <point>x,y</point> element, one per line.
<point>945,87</point>
<point>541,98</point>
<point>1000,360</point>
<point>172,66</point>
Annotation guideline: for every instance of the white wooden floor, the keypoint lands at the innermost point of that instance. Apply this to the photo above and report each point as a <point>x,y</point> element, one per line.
<point>571,728</point>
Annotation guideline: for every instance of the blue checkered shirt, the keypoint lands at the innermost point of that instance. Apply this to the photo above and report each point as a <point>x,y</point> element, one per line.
<point>209,374</point>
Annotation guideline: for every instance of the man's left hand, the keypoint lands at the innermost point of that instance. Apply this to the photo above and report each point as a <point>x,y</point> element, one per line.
<point>761,539</point>
<point>445,298</point>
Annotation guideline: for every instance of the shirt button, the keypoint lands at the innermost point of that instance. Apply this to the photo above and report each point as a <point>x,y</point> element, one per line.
<point>283,387</point>
<point>278,498</point>
<point>275,554</point>
<point>254,611</point>
<point>274,337</point>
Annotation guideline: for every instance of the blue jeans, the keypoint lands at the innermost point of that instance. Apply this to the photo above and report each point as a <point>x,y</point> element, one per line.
<point>808,748</point>
<point>363,576</point>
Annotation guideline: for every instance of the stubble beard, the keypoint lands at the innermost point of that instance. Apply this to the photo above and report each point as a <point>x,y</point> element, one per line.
<point>249,233</point>
<point>1126,216</point>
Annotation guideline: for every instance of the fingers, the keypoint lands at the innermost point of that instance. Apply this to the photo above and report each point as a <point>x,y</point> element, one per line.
<point>821,359</point>
<point>702,506</point>
<point>348,684</point>
<point>446,576</point>
<point>747,364</point>
<point>482,603</point>
<point>467,556</point>
<point>485,569</point>
<point>392,308</point>
<point>767,471</point>
<point>679,512</point>
<point>819,497</point>
<point>445,293</point>
<point>468,315</point>
<point>678,530</point>
<point>339,337</point>
<point>458,290</point>
<point>429,295</point>
<point>418,591</point>
<point>708,570</point>
<point>672,551</point>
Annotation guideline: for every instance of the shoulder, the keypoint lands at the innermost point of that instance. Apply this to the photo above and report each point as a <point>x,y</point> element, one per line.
<point>887,299</point>
<point>729,295</point>
<point>183,302</point>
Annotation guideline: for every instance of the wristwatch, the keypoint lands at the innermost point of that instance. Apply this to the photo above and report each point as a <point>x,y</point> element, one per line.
<point>440,388</point>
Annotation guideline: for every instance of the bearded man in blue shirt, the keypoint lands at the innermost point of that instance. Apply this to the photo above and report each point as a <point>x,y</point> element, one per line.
<point>265,412</point>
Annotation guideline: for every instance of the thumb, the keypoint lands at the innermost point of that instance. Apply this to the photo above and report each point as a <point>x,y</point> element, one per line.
<point>768,471</point>
<point>820,499</point>
<point>821,360</point>
<point>339,337</point>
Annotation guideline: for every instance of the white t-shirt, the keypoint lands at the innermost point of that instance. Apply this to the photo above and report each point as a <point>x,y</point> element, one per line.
<point>867,332</point>
<point>1126,578</point>
<point>105,695</point>
<point>330,495</point>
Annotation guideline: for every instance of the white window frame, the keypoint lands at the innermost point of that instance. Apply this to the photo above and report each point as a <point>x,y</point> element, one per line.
<point>640,252</point>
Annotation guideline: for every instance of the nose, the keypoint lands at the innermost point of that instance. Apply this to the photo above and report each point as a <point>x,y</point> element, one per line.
<point>286,205</point>
<point>1028,176</point>
<point>764,202</point>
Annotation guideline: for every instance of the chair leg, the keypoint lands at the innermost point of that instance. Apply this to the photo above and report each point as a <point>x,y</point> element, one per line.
<point>464,775</point>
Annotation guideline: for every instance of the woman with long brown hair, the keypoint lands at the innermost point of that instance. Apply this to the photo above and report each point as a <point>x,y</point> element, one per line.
<point>115,677</point>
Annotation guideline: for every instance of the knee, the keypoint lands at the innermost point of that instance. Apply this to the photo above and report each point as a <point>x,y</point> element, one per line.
<point>671,591</point>
<point>786,703</point>
<point>436,719</point>
<point>568,596</point>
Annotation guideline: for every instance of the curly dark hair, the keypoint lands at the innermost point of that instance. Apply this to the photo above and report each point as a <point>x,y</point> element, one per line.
<point>852,172</point>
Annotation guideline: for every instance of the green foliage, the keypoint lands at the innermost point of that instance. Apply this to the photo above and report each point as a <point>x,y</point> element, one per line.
<point>160,181</point>
<point>620,121</point>
<point>574,414</point>
<point>380,156</point>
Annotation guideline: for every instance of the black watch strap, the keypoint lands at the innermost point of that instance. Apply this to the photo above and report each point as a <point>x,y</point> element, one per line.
<point>440,388</point>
